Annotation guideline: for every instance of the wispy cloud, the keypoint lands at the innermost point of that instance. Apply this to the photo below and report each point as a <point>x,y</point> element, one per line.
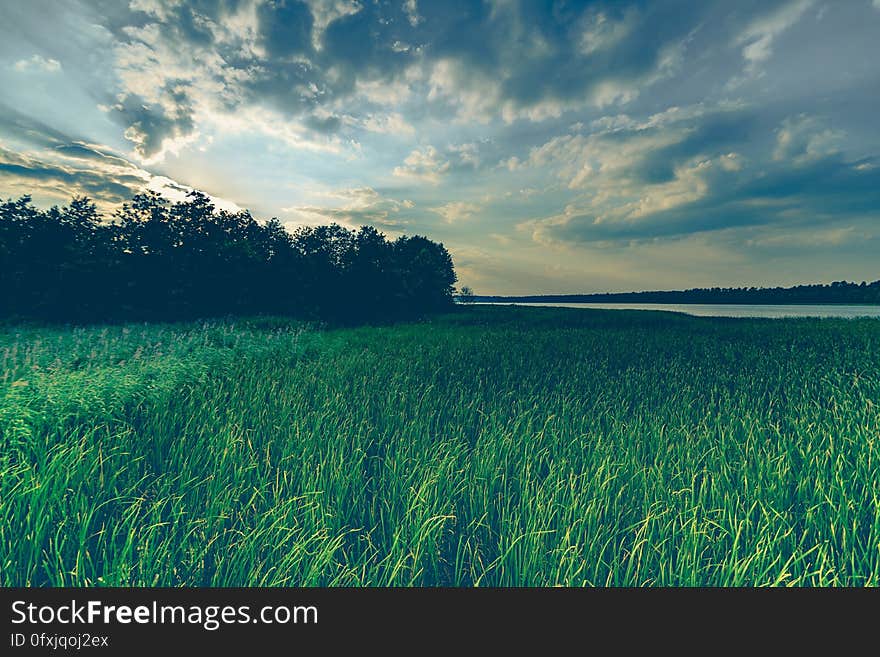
<point>757,38</point>
<point>37,63</point>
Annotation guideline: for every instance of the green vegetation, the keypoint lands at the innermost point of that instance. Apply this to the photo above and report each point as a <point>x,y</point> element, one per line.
<point>491,446</point>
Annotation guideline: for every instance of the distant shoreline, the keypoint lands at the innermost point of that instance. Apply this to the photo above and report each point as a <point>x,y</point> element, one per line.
<point>839,292</point>
<point>741,310</point>
<point>503,300</point>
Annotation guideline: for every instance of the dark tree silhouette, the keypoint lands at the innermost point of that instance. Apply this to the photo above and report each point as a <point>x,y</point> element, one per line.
<point>466,295</point>
<point>423,274</point>
<point>164,260</point>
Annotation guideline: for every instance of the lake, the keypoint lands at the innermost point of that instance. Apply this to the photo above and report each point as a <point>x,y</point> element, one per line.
<point>723,309</point>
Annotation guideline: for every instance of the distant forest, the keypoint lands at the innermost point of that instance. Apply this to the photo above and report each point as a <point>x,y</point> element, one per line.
<point>162,260</point>
<point>838,292</point>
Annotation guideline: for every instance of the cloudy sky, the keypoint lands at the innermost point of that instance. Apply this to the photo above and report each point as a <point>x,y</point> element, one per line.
<point>554,146</point>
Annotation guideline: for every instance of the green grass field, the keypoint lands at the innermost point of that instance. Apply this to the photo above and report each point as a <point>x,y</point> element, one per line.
<point>492,447</point>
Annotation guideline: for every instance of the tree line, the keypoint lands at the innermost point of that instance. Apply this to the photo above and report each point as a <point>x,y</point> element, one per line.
<point>161,260</point>
<point>837,292</point>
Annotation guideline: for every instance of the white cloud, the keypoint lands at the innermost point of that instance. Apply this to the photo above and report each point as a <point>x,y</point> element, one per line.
<point>604,168</point>
<point>354,198</point>
<point>468,154</point>
<point>604,93</point>
<point>474,97</point>
<point>412,12</point>
<point>452,212</point>
<point>757,39</point>
<point>387,93</point>
<point>392,123</point>
<point>610,124</point>
<point>424,164</point>
<point>670,116</point>
<point>512,163</point>
<point>615,200</point>
<point>616,143</point>
<point>351,207</point>
<point>576,157</point>
<point>803,138</point>
<point>731,162</point>
<point>689,185</point>
<point>325,12</point>
<point>177,192</point>
<point>603,33</point>
<point>147,63</point>
<point>253,119</point>
<point>170,145</point>
<point>37,63</point>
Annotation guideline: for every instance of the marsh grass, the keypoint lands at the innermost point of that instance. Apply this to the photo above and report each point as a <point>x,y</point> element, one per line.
<point>490,447</point>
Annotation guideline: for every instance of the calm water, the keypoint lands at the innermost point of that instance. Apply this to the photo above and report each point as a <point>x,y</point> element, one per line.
<point>729,310</point>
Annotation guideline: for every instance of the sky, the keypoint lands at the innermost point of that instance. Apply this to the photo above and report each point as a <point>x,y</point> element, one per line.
<point>553,147</point>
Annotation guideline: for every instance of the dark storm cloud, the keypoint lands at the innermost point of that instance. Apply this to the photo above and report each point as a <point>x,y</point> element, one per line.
<point>362,45</point>
<point>561,52</point>
<point>295,77</point>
